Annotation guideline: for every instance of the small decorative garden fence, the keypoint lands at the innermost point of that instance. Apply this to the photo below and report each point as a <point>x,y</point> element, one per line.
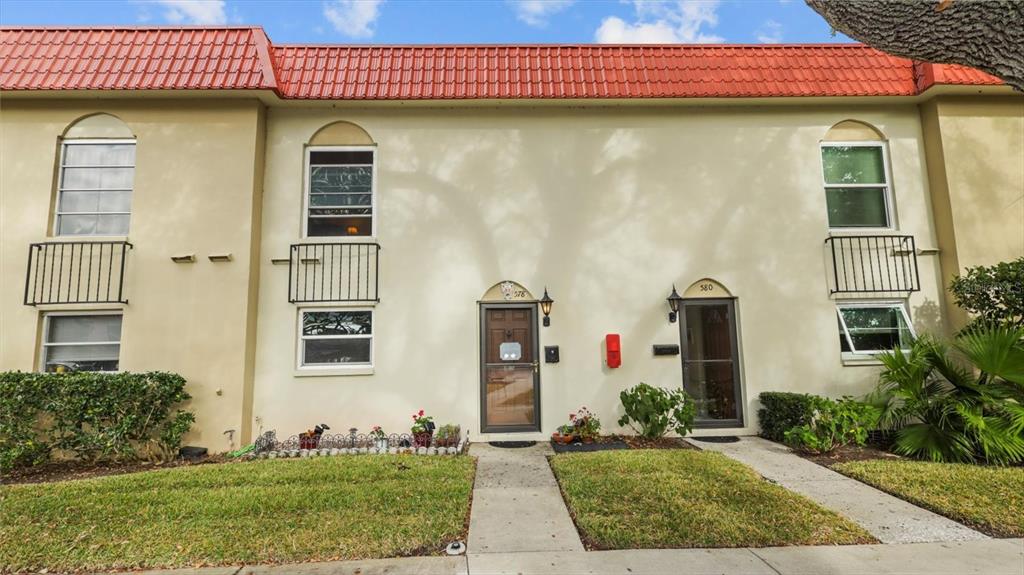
<point>352,443</point>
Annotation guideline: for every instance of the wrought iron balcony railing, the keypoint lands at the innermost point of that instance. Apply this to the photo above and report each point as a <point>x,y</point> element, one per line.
<point>333,272</point>
<point>873,264</point>
<point>76,272</point>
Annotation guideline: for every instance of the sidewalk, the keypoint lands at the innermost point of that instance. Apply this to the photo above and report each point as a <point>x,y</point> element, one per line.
<point>889,519</point>
<point>516,503</point>
<point>983,557</point>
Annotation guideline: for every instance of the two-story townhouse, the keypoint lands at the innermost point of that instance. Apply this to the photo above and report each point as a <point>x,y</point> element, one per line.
<point>496,234</point>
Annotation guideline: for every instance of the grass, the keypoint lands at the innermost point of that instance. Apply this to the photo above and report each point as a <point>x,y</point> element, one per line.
<point>989,499</point>
<point>643,499</point>
<point>264,511</point>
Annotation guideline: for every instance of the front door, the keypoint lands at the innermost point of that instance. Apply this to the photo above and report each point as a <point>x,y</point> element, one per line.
<point>510,368</point>
<point>710,361</point>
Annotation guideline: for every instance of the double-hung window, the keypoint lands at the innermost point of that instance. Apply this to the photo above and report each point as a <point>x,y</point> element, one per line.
<point>81,342</point>
<point>872,328</point>
<point>857,190</point>
<point>94,196</point>
<point>340,191</point>
<point>335,338</point>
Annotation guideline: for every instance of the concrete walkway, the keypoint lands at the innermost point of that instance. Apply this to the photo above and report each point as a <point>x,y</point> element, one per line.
<point>888,518</point>
<point>984,557</point>
<point>516,503</point>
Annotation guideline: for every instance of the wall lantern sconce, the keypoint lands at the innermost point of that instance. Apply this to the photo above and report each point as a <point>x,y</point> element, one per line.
<point>673,304</point>
<point>545,306</point>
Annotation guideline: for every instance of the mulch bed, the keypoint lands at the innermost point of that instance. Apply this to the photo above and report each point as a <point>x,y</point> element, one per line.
<point>848,453</point>
<point>610,442</point>
<point>69,470</point>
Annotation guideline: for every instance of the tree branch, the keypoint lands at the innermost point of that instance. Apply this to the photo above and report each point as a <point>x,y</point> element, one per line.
<point>983,34</point>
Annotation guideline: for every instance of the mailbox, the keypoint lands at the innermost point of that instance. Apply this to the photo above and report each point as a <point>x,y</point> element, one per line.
<point>613,350</point>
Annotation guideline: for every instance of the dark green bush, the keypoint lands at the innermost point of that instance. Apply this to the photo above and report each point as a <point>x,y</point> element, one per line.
<point>834,424</point>
<point>782,411</point>
<point>91,416</point>
<point>993,294</point>
<point>654,411</point>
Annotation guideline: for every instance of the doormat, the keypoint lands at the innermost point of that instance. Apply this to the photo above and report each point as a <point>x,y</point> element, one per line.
<point>587,447</point>
<point>717,439</point>
<point>511,444</point>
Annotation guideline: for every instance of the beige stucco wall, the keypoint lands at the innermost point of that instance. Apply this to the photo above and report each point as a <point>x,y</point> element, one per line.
<point>197,180</point>
<point>975,152</point>
<point>607,208</point>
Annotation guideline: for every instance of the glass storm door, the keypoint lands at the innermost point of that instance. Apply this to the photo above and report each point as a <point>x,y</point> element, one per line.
<point>710,361</point>
<point>510,369</point>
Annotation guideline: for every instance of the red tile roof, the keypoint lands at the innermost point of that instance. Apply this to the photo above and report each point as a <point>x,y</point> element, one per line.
<point>510,72</point>
<point>134,59</point>
<point>243,58</point>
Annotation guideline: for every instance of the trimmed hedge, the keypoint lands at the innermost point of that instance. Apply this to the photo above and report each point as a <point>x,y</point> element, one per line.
<point>91,416</point>
<point>782,411</point>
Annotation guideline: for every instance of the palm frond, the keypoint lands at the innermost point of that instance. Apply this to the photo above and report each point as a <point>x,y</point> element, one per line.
<point>996,350</point>
<point>928,441</point>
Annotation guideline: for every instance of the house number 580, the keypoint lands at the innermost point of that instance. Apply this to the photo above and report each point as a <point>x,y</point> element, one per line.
<point>707,287</point>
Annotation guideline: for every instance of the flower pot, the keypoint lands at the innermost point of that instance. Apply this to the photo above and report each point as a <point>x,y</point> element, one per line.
<point>309,442</point>
<point>563,439</point>
<point>381,444</point>
<point>422,439</point>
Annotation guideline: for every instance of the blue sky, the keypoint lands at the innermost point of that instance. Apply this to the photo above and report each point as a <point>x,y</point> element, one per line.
<point>448,21</point>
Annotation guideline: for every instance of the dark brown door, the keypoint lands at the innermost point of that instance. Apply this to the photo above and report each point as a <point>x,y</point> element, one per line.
<point>510,369</point>
<point>710,361</point>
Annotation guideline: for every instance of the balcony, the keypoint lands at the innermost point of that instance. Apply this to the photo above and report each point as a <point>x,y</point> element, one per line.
<point>333,272</point>
<point>873,264</point>
<point>76,272</point>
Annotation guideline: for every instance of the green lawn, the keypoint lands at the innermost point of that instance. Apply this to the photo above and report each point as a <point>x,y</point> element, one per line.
<point>264,511</point>
<point>990,499</point>
<point>686,498</point>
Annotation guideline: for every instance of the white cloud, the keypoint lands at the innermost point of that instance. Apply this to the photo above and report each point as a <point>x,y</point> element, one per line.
<point>663,22</point>
<point>353,18</point>
<point>194,11</point>
<point>537,12</point>
<point>770,32</point>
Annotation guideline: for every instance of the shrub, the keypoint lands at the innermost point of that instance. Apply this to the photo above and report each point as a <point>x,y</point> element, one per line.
<point>833,424</point>
<point>782,411</point>
<point>994,293</point>
<point>654,411</point>
<point>92,416</point>
<point>943,410</point>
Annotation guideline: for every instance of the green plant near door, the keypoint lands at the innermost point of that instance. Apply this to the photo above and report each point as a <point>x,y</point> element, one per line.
<point>833,424</point>
<point>654,411</point>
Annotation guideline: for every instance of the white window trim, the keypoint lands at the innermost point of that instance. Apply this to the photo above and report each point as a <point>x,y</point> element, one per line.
<point>854,354</point>
<point>373,194</point>
<point>55,232</point>
<point>41,367</point>
<point>890,202</point>
<point>334,369</point>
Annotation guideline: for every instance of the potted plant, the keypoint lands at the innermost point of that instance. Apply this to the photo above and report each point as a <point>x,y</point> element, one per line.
<point>447,435</point>
<point>588,426</point>
<point>422,429</point>
<point>380,439</point>
<point>565,434</point>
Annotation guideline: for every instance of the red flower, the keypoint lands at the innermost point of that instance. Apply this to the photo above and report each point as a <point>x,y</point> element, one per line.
<point>421,413</point>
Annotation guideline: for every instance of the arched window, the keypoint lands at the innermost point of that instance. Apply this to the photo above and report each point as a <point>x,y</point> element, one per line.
<point>96,178</point>
<point>341,182</point>
<point>855,170</point>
